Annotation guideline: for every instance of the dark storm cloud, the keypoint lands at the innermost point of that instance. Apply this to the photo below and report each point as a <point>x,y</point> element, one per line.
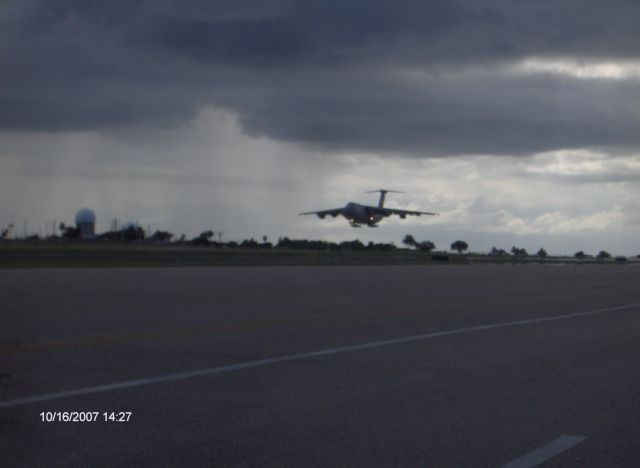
<point>477,115</point>
<point>329,74</point>
<point>233,42</point>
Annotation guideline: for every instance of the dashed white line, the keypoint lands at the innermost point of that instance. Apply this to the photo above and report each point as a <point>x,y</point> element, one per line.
<point>296,357</point>
<point>541,455</point>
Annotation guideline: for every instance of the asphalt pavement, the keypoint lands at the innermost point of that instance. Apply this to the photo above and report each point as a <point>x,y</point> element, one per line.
<point>468,365</point>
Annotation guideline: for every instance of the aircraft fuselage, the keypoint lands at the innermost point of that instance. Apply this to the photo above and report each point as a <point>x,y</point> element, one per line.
<point>358,214</point>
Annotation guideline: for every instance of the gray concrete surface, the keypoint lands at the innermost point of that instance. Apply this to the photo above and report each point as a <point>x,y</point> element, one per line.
<point>480,397</point>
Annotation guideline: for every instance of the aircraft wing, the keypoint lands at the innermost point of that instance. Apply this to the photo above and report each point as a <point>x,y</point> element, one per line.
<point>401,213</point>
<point>322,213</point>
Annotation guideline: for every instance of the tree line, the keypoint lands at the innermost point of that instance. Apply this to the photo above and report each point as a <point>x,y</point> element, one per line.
<point>207,238</point>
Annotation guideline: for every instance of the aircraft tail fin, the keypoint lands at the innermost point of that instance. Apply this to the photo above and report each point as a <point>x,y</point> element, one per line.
<point>383,194</point>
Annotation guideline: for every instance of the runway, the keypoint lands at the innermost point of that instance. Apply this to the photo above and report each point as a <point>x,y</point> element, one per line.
<point>476,365</point>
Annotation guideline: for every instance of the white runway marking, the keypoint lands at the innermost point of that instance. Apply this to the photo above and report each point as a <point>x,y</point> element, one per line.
<point>541,455</point>
<point>296,357</point>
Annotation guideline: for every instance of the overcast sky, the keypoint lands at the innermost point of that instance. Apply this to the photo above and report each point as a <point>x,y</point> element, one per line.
<point>518,122</point>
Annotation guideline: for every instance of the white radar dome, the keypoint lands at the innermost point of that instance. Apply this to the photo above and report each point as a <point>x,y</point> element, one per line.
<point>85,216</point>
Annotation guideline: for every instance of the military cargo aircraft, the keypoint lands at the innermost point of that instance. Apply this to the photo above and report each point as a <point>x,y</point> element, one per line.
<point>359,215</point>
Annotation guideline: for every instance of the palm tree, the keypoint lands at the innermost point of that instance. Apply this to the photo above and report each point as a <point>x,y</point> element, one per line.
<point>497,252</point>
<point>460,246</point>
<point>409,241</point>
<point>426,246</point>
<point>519,252</point>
